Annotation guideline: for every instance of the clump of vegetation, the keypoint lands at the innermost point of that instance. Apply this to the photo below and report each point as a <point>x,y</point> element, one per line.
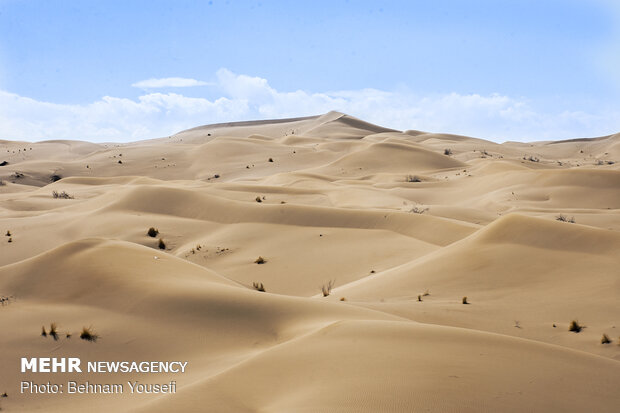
<point>88,334</point>
<point>54,331</point>
<point>447,151</point>
<point>119,161</point>
<point>161,244</point>
<point>464,301</point>
<point>575,327</point>
<point>61,195</point>
<point>258,199</point>
<point>260,260</point>
<point>258,287</point>
<point>4,395</point>
<point>43,331</point>
<point>10,240</point>
<point>152,232</point>
<point>326,289</point>
<point>564,218</point>
<point>531,158</point>
<point>418,210</point>
<point>8,234</point>
<point>420,297</point>
<point>343,299</point>
<point>54,178</point>
<point>426,293</point>
<point>605,339</point>
<point>4,163</point>
<point>270,159</point>
<point>413,178</point>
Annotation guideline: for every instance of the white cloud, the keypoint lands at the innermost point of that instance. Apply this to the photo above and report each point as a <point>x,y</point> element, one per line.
<point>169,82</point>
<point>244,97</point>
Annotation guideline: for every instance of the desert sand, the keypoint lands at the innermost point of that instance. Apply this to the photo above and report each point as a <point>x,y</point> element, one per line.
<point>405,224</point>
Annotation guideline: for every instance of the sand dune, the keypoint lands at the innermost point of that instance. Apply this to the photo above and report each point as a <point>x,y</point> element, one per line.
<point>403,224</point>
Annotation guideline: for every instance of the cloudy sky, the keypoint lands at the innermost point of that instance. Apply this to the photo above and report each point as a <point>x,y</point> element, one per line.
<point>129,70</point>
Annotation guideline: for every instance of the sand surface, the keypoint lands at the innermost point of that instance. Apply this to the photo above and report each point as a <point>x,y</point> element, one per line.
<point>389,217</point>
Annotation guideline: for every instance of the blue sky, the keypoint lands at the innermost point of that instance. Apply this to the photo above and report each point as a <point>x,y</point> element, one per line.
<point>128,70</point>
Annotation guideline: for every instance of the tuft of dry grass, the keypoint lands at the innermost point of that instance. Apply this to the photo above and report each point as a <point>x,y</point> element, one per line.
<point>258,287</point>
<point>564,218</point>
<point>464,301</point>
<point>43,331</point>
<point>326,289</point>
<point>161,244</point>
<point>447,151</point>
<point>54,331</point>
<point>61,195</point>
<point>605,339</point>
<point>418,210</point>
<point>88,334</point>
<point>260,260</point>
<point>258,199</point>
<point>575,327</point>
<point>152,232</point>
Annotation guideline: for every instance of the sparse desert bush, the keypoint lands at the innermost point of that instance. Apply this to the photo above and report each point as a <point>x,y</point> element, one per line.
<point>161,244</point>
<point>8,234</point>
<point>54,178</point>
<point>418,209</point>
<point>270,159</point>
<point>575,327</point>
<point>43,331</point>
<point>564,218</point>
<point>413,178</point>
<point>605,339</point>
<point>447,151</point>
<point>152,232</point>
<point>326,289</point>
<point>54,331</point>
<point>464,301</point>
<point>260,260</point>
<point>88,334</point>
<point>258,287</point>
<point>61,195</point>
<point>258,199</point>
<point>419,297</point>
<point>10,240</point>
